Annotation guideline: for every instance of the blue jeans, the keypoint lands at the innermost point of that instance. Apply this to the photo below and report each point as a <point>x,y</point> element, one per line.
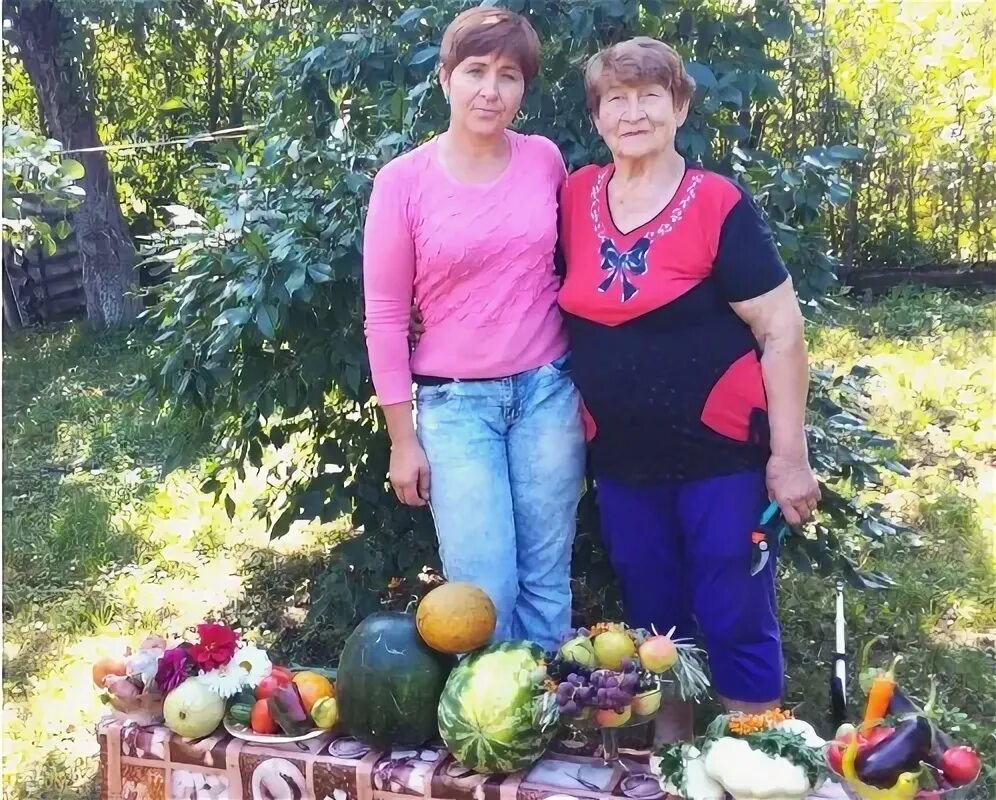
<point>506,461</point>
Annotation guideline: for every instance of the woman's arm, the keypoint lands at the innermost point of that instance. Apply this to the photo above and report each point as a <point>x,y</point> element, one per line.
<point>776,322</point>
<point>388,288</point>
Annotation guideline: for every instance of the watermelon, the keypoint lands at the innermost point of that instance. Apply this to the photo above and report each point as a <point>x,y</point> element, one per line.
<point>389,682</point>
<point>495,715</point>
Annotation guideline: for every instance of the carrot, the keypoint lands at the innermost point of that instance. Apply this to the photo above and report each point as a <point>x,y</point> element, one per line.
<point>880,694</point>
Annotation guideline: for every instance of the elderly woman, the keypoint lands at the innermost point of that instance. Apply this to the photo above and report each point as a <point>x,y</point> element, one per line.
<point>687,348</point>
<point>465,227</point>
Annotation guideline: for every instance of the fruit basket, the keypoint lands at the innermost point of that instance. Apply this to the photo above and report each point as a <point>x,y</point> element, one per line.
<point>929,775</point>
<point>611,678</point>
<point>899,751</point>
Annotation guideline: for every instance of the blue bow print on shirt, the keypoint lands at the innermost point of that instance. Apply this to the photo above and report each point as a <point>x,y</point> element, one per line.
<point>622,265</point>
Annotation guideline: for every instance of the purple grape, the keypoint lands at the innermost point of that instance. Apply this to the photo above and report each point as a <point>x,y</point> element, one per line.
<point>574,678</point>
<point>600,677</point>
<point>571,709</point>
<point>565,691</point>
<point>612,682</point>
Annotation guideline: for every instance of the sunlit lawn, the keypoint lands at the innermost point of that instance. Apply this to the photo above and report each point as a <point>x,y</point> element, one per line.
<point>99,549</point>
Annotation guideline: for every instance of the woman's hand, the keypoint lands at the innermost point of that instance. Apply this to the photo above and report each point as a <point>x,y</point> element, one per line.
<point>792,484</point>
<point>410,473</point>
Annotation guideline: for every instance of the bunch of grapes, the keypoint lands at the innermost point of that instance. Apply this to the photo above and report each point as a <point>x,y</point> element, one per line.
<point>558,669</point>
<point>601,689</point>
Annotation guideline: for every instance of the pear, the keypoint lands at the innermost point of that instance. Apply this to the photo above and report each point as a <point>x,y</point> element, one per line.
<point>612,647</point>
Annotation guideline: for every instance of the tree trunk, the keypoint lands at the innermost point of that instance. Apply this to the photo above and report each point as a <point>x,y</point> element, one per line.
<point>107,255</point>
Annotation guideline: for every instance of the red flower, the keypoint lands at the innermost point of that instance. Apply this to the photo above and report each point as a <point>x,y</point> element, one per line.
<point>215,648</point>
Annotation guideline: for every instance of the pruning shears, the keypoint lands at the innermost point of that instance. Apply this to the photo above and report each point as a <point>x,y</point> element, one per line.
<point>772,527</point>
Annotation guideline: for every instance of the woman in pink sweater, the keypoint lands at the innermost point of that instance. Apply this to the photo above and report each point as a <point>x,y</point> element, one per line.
<point>464,227</point>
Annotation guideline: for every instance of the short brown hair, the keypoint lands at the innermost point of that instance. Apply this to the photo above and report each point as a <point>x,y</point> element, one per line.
<point>637,61</point>
<point>481,31</point>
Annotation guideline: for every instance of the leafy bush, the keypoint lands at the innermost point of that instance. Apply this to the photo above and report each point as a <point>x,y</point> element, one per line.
<point>261,328</point>
<point>36,179</point>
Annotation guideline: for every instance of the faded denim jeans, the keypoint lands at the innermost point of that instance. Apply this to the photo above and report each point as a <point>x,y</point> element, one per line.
<point>506,461</point>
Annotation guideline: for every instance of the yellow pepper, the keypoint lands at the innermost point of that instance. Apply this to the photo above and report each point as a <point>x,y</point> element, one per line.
<point>904,789</point>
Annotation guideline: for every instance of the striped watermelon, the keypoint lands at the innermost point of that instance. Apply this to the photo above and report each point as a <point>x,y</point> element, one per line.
<point>494,714</point>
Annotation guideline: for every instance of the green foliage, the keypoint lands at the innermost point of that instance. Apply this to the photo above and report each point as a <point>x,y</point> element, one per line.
<point>261,330</point>
<point>164,70</point>
<point>911,83</point>
<point>36,179</point>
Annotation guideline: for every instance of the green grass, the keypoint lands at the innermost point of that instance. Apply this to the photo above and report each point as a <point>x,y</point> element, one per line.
<point>933,355</point>
<point>100,548</point>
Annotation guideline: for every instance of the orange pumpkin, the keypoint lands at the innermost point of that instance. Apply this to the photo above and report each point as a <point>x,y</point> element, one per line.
<point>312,687</point>
<point>456,618</point>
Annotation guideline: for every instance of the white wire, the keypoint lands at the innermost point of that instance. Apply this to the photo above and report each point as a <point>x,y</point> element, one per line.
<point>208,136</point>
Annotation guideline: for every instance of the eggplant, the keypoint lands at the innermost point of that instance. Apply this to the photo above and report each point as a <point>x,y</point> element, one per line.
<point>941,744</point>
<point>882,764</point>
<point>288,712</point>
<point>900,704</point>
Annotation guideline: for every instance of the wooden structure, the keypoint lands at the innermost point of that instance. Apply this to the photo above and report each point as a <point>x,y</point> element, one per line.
<point>40,288</point>
<point>978,276</point>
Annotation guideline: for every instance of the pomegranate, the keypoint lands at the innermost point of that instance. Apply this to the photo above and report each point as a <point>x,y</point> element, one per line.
<point>658,654</point>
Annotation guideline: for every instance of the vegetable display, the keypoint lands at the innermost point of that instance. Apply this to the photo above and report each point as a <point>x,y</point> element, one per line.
<point>389,682</point>
<point>768,756</point>
<point>192,685</point>
<point>398,686</point>
<point>899,752</point>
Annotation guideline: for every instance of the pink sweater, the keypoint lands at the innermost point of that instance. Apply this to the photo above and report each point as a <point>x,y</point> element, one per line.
<point>476,258</point>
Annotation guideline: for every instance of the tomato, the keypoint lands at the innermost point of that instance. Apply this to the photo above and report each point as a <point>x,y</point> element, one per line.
<point>275,670</point>
<point>960,765</point>
<point>835,754</point>
<point>271,683</point>
<point>874,736</point>
<point>835,757</point>
<point>261,720</point>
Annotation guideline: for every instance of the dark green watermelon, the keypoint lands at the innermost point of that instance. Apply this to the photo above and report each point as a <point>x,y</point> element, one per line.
<point>389,682</point>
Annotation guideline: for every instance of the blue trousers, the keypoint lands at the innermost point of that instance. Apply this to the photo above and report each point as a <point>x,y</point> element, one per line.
<point>682,553</point>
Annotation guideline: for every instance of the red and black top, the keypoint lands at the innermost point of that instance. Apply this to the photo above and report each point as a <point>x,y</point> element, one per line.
<point>669,373</point>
